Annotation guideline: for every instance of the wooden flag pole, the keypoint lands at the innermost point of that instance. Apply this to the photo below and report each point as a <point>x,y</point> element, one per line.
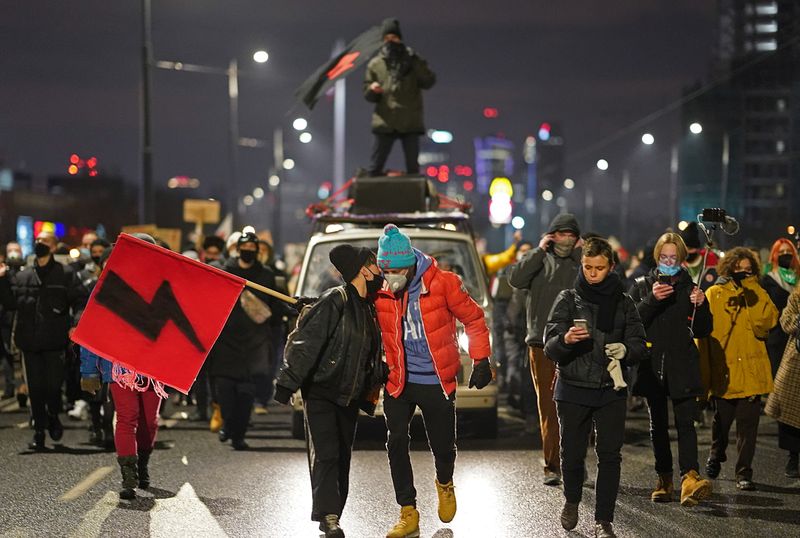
<point>276,294</point>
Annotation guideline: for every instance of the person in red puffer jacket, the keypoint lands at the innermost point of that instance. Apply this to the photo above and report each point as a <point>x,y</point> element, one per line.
<point>417,312</point>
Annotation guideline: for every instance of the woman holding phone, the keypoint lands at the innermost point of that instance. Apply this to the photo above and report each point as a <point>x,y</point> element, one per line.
<point>674,311</point>
<point>610,333</point>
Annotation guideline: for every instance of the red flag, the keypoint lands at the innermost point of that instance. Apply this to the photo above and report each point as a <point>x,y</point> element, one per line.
<point>156,312</point>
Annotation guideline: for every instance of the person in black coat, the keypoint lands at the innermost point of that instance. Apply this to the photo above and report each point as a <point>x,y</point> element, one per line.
<point>592,334</point>
<point>666,298</point>
<point>780,278</point>
<point>333,358</point>
<point>48,299</point>
<point>243,351</point>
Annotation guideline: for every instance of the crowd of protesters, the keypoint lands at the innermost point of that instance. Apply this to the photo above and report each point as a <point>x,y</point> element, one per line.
<point>583,334</point>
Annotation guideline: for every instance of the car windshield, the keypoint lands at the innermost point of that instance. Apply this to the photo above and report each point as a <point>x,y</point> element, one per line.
<point>451,255</point>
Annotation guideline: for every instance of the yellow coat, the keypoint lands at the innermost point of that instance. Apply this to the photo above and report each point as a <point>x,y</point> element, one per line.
<point>734,360</point>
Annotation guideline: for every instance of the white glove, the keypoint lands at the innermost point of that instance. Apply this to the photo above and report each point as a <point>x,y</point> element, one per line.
<point>615,369</point>
<point>616,351</point>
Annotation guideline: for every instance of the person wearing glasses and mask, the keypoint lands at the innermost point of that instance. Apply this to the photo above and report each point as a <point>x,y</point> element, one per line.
<point>417,313</point>
<point>739,370</point>
<point>674,312</point>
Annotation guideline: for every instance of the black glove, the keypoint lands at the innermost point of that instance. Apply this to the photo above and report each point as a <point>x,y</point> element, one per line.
<point>481,374</point>
<point>303,301</point>
<point>382,372</point>
<point>282,394</point>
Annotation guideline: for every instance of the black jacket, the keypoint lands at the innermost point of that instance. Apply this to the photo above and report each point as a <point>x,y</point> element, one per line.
<point>584,364</point>
<point>673,357</point>
<point>49,300</point>
<point>334,353</point>
<point>777,339</point>
<point>243,347</point>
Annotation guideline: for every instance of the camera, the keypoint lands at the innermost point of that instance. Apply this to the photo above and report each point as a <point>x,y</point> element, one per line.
<point>714,214</point>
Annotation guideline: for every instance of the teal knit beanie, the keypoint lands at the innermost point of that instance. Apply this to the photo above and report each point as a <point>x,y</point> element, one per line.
<point>394,249</point>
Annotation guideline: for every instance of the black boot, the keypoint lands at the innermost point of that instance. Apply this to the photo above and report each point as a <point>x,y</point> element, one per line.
<point>792,470</point>
<point>144,472</point>
<point>54,427</point>
<point>330,526</point>
<point>38,441</point>
<point>130,476</point>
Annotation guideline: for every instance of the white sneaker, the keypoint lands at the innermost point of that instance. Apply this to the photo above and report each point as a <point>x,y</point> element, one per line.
<point>80,411</point>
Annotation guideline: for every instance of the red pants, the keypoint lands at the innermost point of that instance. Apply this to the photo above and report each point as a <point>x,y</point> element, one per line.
<point>137,420</point>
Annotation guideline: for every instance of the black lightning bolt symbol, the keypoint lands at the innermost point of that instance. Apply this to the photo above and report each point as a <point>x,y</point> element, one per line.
<point>147,318</point>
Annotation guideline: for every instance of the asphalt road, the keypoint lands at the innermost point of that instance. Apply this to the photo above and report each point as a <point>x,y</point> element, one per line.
<point>205,489</point>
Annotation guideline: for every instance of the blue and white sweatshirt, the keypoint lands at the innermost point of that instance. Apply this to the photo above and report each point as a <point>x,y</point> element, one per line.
<point>418,355</point>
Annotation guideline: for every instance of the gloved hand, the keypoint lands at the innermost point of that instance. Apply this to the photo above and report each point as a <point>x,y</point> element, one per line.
<point>616,351</point>
<point>481,374</point>
<point>282,394</point>
<point>382,372</point>
<point>303,301</point>
<point>91,384</point>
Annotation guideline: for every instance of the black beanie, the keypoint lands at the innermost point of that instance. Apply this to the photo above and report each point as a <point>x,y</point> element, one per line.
<point>564,222</point>
<point>691,235</point>
<point>391,26</point>
<point>348,260</point>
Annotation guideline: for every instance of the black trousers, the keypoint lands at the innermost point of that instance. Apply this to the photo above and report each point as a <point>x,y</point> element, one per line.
<point>382,146</point>
<point>788,437</point>
<point>575,423</point>
<point>746,412</point>
<point>683,409</point>
<point>101,410</point>
<point>45,373</point>
<point>330,432</point>
<point>439,414</point>
<point>201,390</point>
<point>236,403</point>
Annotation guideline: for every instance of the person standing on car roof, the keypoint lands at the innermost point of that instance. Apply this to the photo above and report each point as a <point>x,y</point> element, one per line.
<point>417,311</point>
<point>333,358</point>
<point>394,81</point>
<point>546,271</point>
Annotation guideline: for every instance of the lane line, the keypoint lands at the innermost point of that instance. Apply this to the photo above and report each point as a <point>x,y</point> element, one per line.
<point>86,484</point>
<point>183,515</point>
<point>92,522</point>
<point>21,425</point>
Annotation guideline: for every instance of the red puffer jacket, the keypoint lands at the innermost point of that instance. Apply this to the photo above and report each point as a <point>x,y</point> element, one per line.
<point>443,299</point>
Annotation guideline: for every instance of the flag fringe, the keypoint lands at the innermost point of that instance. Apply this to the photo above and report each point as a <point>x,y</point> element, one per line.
<point>132,380</point>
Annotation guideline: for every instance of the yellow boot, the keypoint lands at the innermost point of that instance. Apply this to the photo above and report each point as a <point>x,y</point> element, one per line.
<point>663,490</point>
<point>408,526</point>
<point>447,501</point>
<point>694,489</point>
<point>215,424</point>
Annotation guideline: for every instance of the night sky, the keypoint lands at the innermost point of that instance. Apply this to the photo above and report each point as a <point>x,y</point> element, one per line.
<point>70,73</point>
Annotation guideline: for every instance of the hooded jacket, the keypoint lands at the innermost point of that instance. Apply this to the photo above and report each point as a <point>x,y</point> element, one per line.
<point>443,299</point>
<point>734,360</point>
<point>399,108</point>
<point>544,275</point>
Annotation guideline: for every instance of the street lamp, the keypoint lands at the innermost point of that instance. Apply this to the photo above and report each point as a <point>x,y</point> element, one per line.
<point>300,124</point>
<point>569,184</point>
<point>260,56</point>
<point>696,128</point>
<point>648,139</point>
<point>602,164</point>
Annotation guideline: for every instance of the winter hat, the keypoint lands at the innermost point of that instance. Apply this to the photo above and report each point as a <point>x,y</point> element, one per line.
<point>144,237</point>
<point>391,26</point>
<point>394,249</point>
<point>348,260</point>
<point>690,235</point>
<point>232,240</point>
<point>247,238</point>
<point>565,222</point>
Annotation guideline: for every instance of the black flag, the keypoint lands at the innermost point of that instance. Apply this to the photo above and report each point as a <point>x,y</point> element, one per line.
<point>354,54</point>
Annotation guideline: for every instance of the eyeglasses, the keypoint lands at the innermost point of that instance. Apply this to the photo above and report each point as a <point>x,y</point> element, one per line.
<point>665,258</point>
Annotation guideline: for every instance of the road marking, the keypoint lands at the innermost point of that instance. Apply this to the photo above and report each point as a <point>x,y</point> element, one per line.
<point>173,419</point>
<point>185,460</point>
<point>22,425</point>
<point>6,405</point>
<point>86,484</point>
<point>93,521</point>
<point>183,515</point>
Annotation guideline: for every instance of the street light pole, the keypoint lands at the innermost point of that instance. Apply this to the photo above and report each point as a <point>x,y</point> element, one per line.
<point>623,214</point>
<point>278,156</point>
<point>673,184</point>
<point>146,209</point>
<point>339,104</point>
<point>233,134</point>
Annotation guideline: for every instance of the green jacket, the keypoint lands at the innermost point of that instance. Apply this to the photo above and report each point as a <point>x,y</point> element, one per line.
<point>399,108</point>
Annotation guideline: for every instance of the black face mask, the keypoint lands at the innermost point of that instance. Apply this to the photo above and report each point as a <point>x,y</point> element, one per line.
<point>785,261</point>
<point>248,256</point>
<point>738,276</point>
<point>96,260</point>
<point>41,250</point>
<point>375,284</point>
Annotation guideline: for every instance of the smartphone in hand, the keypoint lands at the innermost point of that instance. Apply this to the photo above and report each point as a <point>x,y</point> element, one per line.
<point>665,279</point>
<point>581,324</point>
